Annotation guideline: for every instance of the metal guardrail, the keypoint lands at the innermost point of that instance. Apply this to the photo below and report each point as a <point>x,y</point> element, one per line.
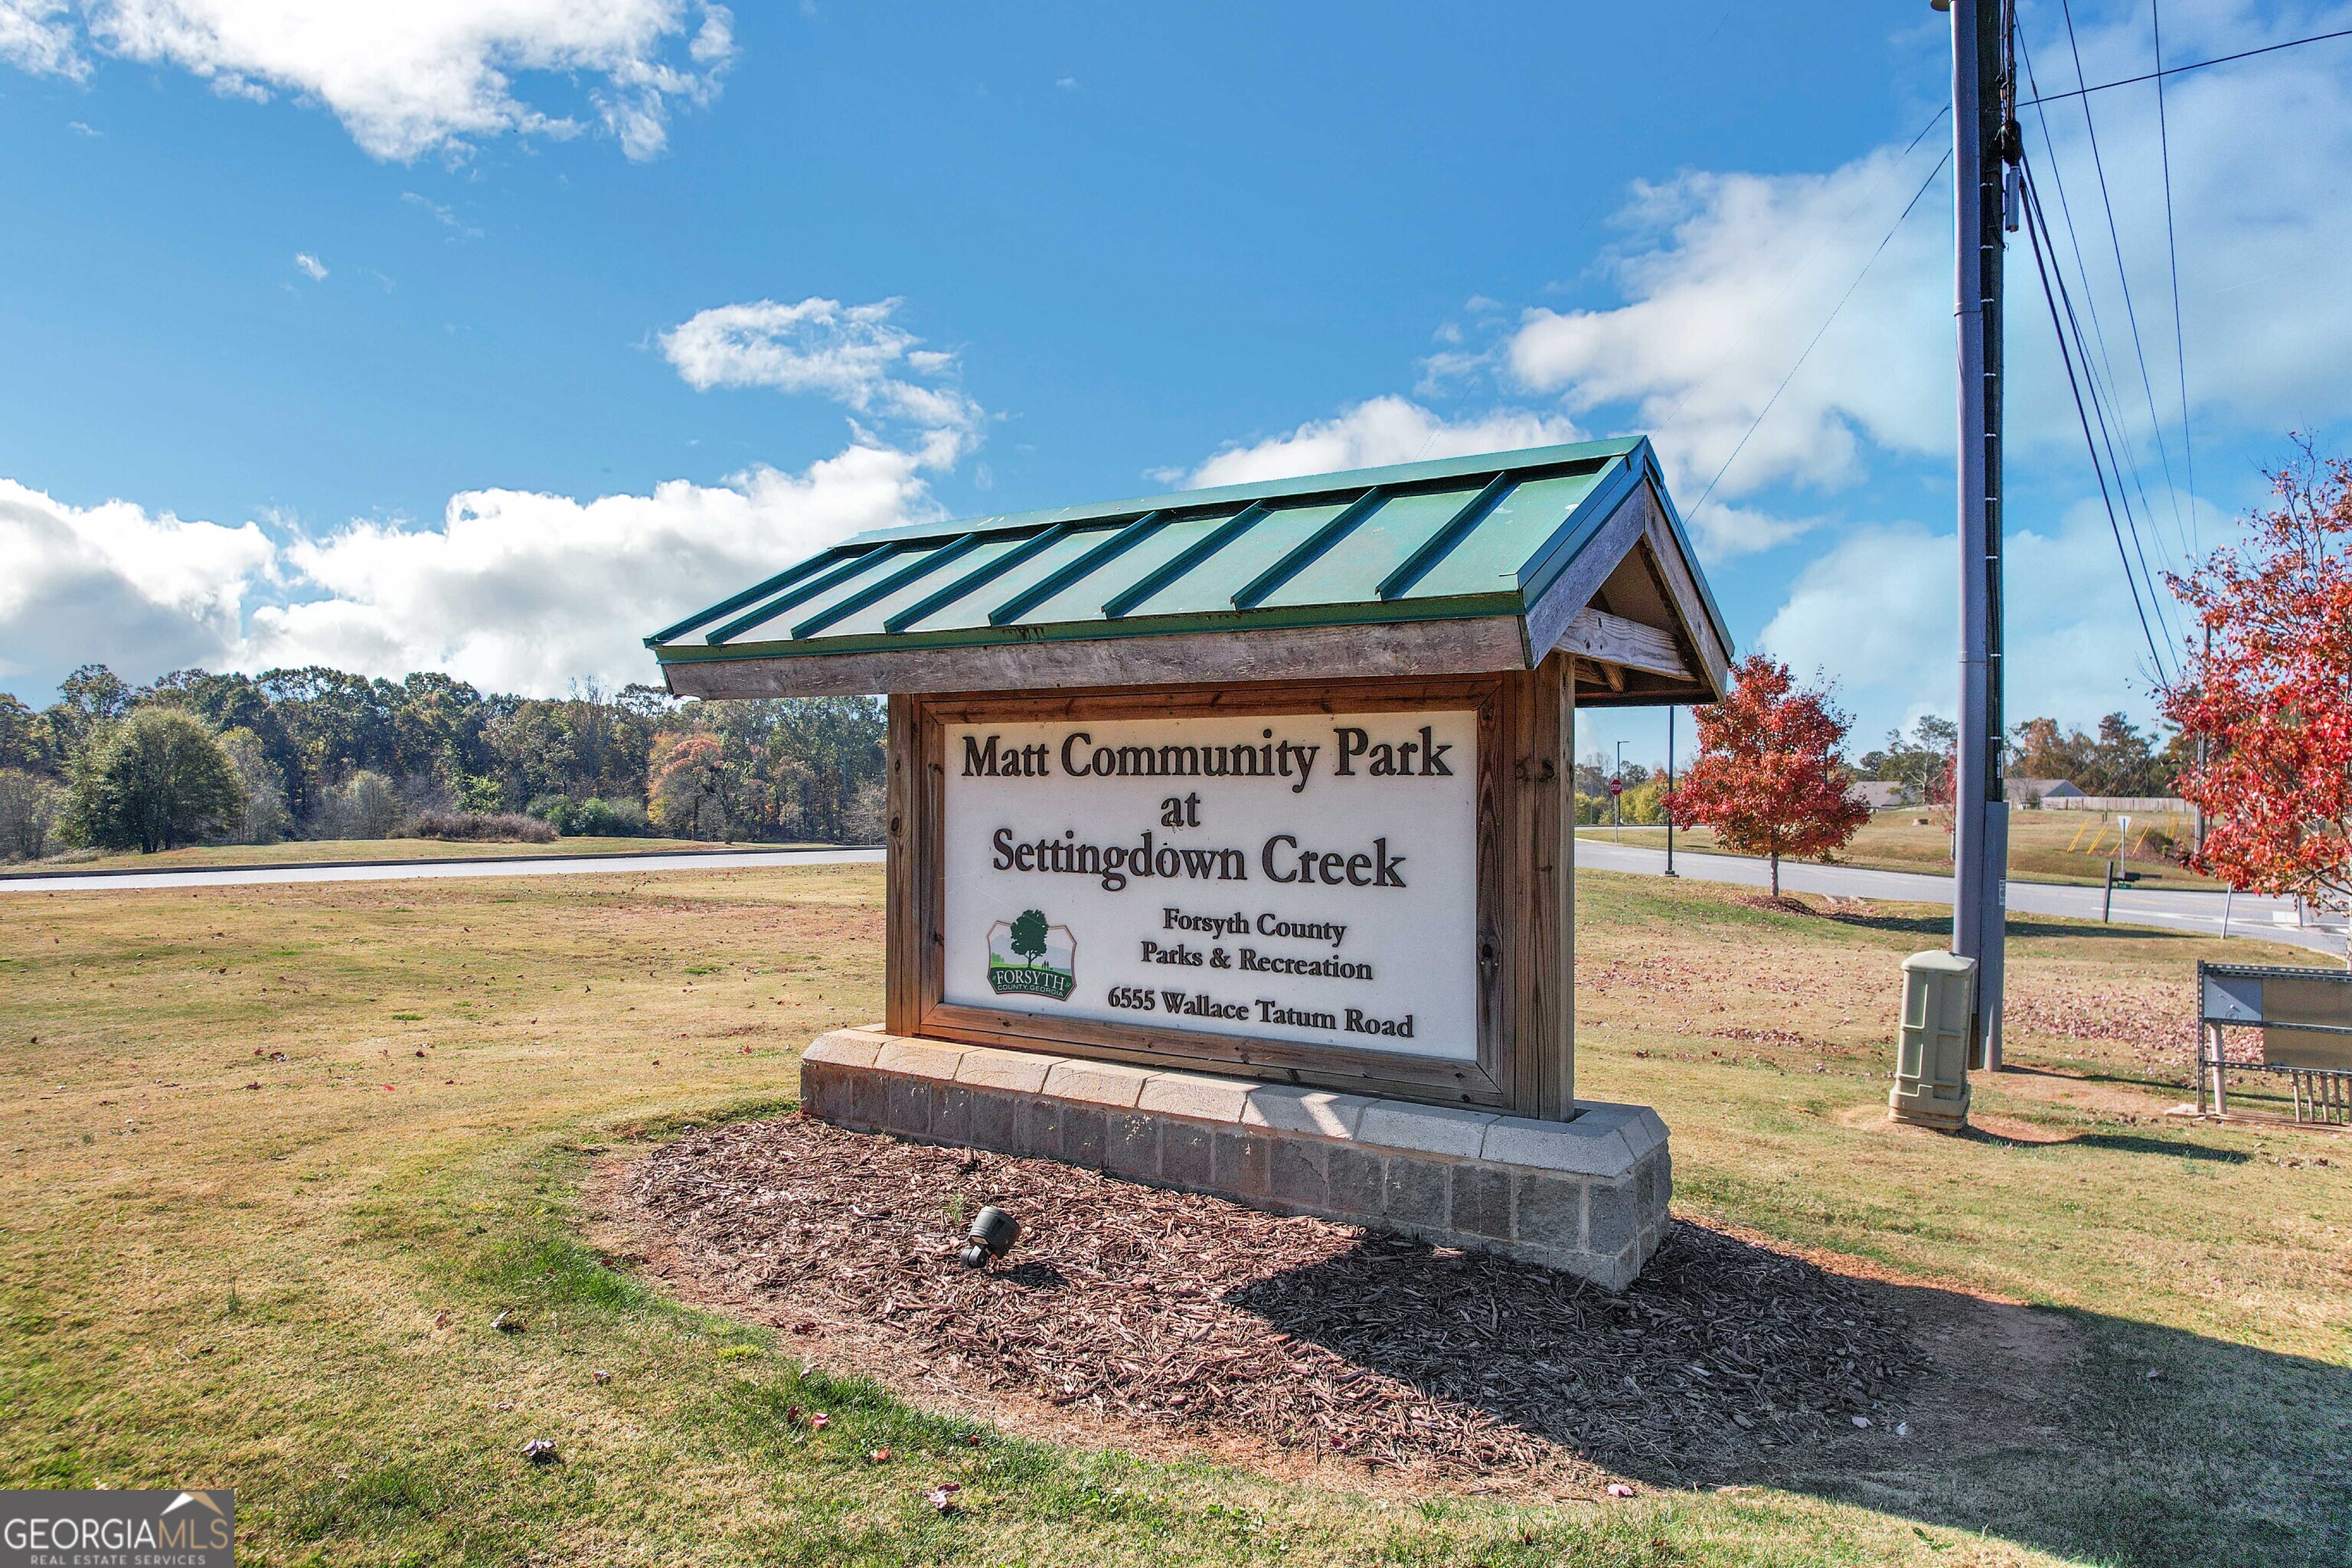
<point>2305,1019</point>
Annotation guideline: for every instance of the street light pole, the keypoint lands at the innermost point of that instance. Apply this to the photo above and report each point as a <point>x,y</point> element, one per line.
<point>1670,789</point>
<point>1616,793</point>
<point>1981,94</point>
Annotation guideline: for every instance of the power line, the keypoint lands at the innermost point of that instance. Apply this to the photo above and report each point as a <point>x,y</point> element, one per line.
<point>2102,397</point>
<point>2172,254</point>
<point>2037,232</point>
<point>2109,430</point>
<point>1858,277</point>
<point>2131,311</point>
<point>2192,66</point>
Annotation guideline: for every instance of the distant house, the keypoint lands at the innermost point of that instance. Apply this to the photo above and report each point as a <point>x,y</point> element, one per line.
<point>1879,794</point>
<point>2033,792</point>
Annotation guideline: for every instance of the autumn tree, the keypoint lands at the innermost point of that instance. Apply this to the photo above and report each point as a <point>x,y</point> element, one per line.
<point>690,786</point>
<point>1768,778</point>
<point>2267,697</point>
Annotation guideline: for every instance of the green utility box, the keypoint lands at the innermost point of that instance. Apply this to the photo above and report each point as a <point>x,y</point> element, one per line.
<point>1931,1063</point>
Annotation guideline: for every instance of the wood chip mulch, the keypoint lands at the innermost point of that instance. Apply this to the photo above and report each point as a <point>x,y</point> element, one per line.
<point>1203,1317</point>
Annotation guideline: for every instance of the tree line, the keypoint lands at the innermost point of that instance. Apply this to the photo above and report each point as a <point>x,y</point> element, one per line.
<point>319,753</point>
<point>2120,758</point>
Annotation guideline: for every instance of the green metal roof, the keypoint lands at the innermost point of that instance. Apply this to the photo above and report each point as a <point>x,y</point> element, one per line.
<point>1465,536</point>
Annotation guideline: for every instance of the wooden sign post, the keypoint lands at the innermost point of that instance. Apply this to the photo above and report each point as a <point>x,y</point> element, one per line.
<point>1314,887</point>
<point>1230,835</point>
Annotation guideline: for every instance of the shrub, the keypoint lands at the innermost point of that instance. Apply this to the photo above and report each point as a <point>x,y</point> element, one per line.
<point>154,781</point>
<point>595,817</point>
<point>477,827</point>
<point>599,819</point>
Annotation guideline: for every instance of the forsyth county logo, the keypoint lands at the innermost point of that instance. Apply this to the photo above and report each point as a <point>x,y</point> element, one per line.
<point>1026,957</point>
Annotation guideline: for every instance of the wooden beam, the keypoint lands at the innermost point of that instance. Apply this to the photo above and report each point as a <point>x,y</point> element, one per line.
<point>1599,675</point>
<point>1549,616</point>
<point>1472,646</point>
<point>1690,605</point>
<point>1613,641</point>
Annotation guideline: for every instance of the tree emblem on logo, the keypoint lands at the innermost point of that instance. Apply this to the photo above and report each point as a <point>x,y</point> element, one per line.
<point>1029,956</point>
<point>1029,934</point>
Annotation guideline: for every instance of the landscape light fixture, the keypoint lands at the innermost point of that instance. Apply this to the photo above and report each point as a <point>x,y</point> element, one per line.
<point>994,1234</point>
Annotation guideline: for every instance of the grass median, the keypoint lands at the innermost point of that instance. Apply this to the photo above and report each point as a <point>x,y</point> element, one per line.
<point>312,851</point>
<point>2066,846</point>
<point>274,1157</point>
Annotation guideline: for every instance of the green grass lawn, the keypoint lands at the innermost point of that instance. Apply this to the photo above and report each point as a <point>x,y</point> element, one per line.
<point>2044,845</point>
<point>307,850</point>
<point>205,1282</point>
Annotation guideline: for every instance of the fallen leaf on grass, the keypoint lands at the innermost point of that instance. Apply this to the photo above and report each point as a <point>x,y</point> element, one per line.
<point>820,1421</point>
<point>1619,1489</point>
<point>540,1451</point>
<point>440,1320</point>
<point>600,1375</point>
<point>507,1322</point>
<point>943,1496</point>
<point>878,1456</point>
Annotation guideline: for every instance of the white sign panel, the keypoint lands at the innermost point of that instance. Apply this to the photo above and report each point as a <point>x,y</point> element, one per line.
<point>1295,877</point>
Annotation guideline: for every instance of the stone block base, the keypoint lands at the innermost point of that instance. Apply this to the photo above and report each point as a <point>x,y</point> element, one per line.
<point>1587,1196</point>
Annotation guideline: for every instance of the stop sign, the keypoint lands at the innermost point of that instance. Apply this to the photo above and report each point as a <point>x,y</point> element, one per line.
<point>1616,786</point>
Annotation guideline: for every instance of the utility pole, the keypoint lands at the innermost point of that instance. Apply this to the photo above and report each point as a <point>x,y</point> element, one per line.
<point>1982,101</point>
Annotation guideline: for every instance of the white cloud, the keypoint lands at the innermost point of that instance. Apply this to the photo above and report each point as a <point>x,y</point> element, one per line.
<point>411,78</point>
<point>1720,532</point>
<point>446,217</point>
<point>514,590</point>
<point>1727,277</point>
<point>1378,431</point>
<point>520,591</point>
<point>120,582</point>
<point>38,35</point>
<point>310,265</point>
<point>850,353</point>
<point>1880,613</point>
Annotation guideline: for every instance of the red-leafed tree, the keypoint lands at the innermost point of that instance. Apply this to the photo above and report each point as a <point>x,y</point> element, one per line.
<point>2266,701</point>
<point>1768,778</point>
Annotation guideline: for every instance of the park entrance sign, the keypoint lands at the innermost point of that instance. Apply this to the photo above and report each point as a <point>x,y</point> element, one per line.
<point>1304,878</point>
<point>1239,824</point>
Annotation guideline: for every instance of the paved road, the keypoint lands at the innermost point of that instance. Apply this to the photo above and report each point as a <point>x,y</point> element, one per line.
<point>2172,909</point>
<point>409,870</point>
<point>2167,910</point>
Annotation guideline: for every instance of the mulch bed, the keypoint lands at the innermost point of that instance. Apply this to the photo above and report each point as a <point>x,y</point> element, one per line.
<point>1206,1319</point>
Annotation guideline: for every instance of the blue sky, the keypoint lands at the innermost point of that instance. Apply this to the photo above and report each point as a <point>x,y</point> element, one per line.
<point>395,337</point>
